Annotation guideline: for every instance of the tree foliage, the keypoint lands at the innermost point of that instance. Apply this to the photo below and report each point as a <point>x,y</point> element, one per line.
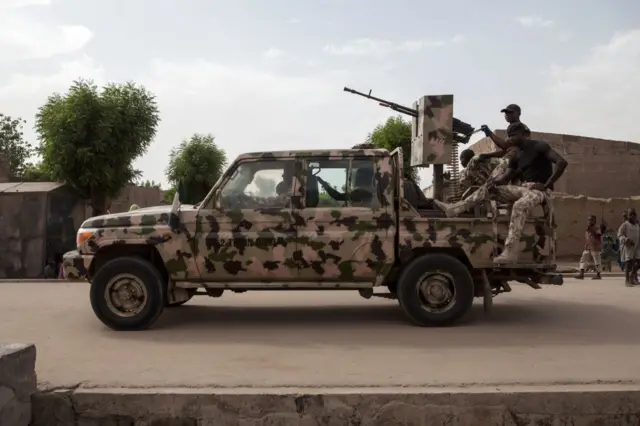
<point>149,184</point>
<point>89,137</point>
<point>394,133</point>
<point>37,173</point>
<point>196,164</point>
<point>13,146</point>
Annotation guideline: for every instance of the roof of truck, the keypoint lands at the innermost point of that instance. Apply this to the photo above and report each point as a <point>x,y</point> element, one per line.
<point>317,153</point>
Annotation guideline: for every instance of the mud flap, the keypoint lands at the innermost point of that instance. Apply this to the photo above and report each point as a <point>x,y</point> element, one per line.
<point>487,293</point>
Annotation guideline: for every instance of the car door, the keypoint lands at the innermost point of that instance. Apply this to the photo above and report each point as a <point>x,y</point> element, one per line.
<point>341,240</point>
<point>246,234</point>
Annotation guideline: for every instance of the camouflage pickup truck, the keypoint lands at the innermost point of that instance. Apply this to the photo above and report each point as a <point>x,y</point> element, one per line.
<point>307,220</point>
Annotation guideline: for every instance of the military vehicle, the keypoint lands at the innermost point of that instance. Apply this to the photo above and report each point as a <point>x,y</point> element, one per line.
<point>343,219</point>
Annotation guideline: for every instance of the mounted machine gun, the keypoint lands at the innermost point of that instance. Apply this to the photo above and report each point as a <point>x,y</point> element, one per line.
<point>435,135</point>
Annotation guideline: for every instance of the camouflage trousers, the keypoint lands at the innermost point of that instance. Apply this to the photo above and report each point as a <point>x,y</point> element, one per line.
<point>523,198</point>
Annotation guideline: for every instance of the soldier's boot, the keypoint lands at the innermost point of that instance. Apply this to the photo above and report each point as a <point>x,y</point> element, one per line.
<point>451,210</point>
<point>508,256</point>
<point>580,275</point>
<point>598,276</point>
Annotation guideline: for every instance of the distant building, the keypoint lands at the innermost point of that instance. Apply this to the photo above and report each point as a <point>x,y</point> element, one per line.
<point>38,222</point>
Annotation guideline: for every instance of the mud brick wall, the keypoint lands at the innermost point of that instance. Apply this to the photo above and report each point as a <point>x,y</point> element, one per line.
<point>571,215</point>
<point>17,383</point>
<point>597,167</point>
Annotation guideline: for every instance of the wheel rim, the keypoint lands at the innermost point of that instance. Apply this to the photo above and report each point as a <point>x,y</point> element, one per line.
<point>436,292</point>
<point>126,295</point>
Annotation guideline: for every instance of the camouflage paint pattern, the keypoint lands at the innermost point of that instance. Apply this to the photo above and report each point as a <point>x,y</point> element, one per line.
<point>432,131</point>
<point>283,240</point>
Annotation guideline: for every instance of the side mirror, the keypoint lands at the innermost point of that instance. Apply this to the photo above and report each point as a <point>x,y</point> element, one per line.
<point>174,216</point>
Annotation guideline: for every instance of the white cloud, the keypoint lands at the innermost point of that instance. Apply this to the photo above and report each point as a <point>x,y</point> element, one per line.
<point>251,110</point>
<point>273,53</point>
<point>534,22</point>
<point>25,38</point>
<point>375,47</point>
<point>293,21</point>
<point>599,97</point>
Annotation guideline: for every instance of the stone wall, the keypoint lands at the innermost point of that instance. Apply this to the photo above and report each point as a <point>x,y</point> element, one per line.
<point>361,407</point>
<point>17,383</point>
<point>597,167</point>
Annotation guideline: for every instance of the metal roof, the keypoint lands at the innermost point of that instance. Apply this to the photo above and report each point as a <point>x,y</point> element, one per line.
<point>20,187</point>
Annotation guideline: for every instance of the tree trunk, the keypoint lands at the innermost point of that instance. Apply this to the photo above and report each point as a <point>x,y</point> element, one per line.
<point>99,204</point>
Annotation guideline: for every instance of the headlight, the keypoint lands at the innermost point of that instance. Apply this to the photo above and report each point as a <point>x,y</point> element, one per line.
<point>83,235</point>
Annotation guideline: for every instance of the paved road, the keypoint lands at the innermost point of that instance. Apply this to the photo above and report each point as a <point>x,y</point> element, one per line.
<point>581,332</point>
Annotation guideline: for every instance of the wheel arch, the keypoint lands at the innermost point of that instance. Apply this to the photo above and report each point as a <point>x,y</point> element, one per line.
<point>114,251</point>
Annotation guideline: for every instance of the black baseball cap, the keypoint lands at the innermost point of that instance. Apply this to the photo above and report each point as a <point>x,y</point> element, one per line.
<point>512,108</point>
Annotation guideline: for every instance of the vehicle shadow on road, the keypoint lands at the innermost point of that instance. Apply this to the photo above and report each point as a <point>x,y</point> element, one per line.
<point>513,323</point>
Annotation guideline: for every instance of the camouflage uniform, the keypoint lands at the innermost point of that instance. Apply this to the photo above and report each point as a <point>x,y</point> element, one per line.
<point>523,198</point>
<point>477,172</point>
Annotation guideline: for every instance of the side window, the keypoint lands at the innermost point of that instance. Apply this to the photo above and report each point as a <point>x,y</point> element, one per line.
<point>259,184</point>
<point>326,183</point>
<point>341,183</point>
<point>364,187</point>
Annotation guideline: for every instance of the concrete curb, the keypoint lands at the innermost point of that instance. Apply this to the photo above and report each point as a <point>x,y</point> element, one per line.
<point>502,406</point>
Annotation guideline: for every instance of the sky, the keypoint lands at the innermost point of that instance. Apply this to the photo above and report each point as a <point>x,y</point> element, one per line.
<point>267,75</point>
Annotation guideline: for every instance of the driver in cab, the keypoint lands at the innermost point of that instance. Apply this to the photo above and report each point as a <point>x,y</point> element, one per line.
<point>362,193</point>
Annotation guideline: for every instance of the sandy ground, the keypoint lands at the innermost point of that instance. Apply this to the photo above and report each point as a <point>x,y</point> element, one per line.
<point>582,332</point>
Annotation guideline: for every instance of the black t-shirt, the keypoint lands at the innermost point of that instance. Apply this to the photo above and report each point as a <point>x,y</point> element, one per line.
<point>518,128</point>
<point>531,163</point>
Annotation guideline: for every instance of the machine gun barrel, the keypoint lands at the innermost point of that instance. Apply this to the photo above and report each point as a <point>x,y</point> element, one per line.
<point>461,131</point>
<point>392,105</point>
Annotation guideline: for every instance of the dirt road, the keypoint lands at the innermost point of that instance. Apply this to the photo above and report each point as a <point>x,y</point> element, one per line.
<point>581,332</point>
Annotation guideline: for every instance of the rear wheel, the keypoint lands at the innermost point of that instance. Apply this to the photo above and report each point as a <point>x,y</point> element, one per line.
<point>435,290</point>
<point>128,294</point>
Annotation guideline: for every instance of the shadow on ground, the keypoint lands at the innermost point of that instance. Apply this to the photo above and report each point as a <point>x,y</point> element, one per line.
<point>513,323</point>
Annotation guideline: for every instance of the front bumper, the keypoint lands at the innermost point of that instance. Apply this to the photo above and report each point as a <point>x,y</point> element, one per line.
<point>75,266</point>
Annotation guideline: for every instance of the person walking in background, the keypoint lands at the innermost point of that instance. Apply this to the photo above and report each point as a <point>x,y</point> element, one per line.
<point>629,235</point>
<point>592,248</point>
<point>618,248</point>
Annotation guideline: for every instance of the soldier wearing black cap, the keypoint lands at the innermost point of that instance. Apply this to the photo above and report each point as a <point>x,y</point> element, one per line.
<point>516,129</point>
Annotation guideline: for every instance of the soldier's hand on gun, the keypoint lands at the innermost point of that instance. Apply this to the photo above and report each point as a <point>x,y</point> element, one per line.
<point>483,157</point>
<point>486,130</point>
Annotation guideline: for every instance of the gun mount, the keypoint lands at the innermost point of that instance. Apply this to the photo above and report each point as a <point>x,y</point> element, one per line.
<point>435,135</point>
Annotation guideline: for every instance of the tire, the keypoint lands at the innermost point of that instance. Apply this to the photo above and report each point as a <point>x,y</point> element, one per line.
<point>446,272</point>
<point>136,273</point>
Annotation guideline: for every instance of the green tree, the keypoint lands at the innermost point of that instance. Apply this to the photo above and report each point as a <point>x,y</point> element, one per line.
<point>37,173</point>
<point>394,133</point>
<point>13,146</point>
<point>89,137</point>
<point>149,184</point>
<point>197,163</point>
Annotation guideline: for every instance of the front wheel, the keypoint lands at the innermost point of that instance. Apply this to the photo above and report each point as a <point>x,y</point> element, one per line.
<point>127,293</point>
<point>435,290</point>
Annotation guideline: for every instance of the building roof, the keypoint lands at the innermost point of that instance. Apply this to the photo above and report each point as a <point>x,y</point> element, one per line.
<point>20,187</point>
